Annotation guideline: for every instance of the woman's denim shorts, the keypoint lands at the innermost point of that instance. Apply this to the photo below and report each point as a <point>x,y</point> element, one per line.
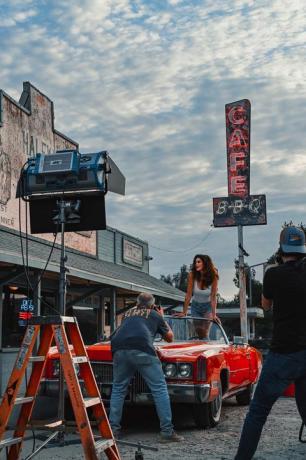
<point>200,310</point>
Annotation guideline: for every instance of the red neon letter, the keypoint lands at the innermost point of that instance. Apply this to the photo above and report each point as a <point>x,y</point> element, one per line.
<point>236,115</point>
<point>237,160</point>
<point>237,139</point>
<point>238,185</point>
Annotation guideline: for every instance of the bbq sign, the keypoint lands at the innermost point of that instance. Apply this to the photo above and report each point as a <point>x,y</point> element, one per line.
<point>238,121</point>
<point>229,211</point>
<point>239,207</point>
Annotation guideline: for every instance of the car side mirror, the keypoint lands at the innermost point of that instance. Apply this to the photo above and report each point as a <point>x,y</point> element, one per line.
<point>238,340</point>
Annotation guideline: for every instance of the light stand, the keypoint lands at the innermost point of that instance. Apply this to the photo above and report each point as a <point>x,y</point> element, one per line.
<point>61,219</point>
<point>75,184</point>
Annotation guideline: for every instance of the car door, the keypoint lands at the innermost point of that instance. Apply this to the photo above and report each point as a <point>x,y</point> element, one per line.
<point>238,360</point>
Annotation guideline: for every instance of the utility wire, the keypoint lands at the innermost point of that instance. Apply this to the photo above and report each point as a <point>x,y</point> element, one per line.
<point>25,259</point>
<point>185,250</point>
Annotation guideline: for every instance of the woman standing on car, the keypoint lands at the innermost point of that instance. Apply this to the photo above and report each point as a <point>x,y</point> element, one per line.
<point>202,286</point>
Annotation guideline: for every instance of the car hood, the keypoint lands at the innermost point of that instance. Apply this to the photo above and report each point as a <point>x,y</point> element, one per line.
<point>102,351</point>
<point>189,349</point>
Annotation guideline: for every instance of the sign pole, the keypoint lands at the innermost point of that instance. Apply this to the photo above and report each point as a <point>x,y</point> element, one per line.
<point>239,208</point>
<point>242,287</point>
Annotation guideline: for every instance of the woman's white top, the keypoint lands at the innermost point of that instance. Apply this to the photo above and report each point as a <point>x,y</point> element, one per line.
<point>201,295</point>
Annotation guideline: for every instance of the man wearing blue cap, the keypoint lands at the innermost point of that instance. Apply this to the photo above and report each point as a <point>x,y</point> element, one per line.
<point>284,289</point>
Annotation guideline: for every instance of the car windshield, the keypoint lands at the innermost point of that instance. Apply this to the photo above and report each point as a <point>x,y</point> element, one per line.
<point>192,328</point>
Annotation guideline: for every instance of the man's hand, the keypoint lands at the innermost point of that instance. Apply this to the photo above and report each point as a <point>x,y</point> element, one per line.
<point>168,337</point>
<point>179,314</point>
<point>159,309</point>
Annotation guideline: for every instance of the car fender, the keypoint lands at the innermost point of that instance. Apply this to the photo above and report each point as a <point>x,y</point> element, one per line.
<point>217,375</point>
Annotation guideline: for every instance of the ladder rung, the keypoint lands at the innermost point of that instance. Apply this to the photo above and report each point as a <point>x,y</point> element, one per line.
<point>92,401</point>
<point>103,445</point>
<point>80,359</point>
<point>9,442</point>
<point>24,400</point>
<point>68,319</point>
<point>34,359</point>
<point>53,320</point>
<point>41,425</point>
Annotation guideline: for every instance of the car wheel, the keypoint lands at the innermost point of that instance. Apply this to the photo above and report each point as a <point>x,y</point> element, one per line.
<point>244,398</point>
<point>207,415</point>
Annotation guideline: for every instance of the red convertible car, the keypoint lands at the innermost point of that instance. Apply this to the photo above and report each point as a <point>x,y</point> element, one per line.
<point>199,372</point>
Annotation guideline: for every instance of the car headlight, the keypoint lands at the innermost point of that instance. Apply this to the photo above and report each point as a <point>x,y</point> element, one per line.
<point>170,370</point>
<point>184,370</point>
<point>55,367</point>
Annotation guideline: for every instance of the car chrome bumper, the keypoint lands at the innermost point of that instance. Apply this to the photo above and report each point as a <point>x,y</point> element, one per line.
<point>189,393</point>
<point>178,393</point>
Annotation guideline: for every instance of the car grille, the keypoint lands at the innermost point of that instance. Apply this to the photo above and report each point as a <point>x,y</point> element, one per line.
<point>103,372</point>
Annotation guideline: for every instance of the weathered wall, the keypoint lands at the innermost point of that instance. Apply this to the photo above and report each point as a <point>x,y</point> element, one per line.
<point>122,249</point>
<point>26,128</point>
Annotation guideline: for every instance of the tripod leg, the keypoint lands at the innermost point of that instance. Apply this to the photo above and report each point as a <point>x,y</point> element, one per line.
<point>52,436</point>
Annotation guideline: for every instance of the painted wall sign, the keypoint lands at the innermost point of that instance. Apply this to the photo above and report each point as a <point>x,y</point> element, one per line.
<point>26,128</point>
<point>238,128</point>
<point>231,211</point>
<point>132,253</point>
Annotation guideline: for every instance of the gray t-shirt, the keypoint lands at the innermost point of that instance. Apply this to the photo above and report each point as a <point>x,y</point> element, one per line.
<point>201,295</point>
<point>138,329</point>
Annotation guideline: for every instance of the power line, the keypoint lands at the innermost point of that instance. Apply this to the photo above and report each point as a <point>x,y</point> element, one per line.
<point>185,250</point>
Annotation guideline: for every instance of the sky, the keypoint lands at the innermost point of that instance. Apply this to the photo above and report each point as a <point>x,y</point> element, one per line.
<point>148,80</point>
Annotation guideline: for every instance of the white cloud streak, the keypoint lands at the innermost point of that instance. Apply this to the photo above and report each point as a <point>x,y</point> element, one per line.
<point>148,81</point>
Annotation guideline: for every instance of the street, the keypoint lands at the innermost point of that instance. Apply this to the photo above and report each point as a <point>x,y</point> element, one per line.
<point>279,440</point>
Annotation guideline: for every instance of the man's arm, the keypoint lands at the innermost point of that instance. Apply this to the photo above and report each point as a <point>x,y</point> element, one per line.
<point>167,335</point>
<point>266,303</point>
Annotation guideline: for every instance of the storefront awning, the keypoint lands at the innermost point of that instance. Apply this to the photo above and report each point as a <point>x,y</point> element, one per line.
<point>80,265</point>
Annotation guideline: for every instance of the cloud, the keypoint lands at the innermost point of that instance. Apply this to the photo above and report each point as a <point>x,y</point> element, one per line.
<point>148,81</point>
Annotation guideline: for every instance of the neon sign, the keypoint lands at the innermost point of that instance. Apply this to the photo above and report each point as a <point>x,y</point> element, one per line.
<point>239,207</point>
<point>26,312</point>
<point>238,121</point>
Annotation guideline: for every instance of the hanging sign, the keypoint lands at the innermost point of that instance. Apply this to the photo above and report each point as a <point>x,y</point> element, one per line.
<point>230,211</point>
<point>238,130</point>
<point>26,311</point>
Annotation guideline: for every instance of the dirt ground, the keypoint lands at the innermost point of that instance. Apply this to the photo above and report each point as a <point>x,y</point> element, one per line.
<point>279,439</point>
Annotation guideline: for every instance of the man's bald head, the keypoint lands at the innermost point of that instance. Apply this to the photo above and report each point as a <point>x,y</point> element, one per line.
<point>145,300</point>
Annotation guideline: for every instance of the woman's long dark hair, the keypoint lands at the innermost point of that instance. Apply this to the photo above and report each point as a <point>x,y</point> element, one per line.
<point>206,277</point>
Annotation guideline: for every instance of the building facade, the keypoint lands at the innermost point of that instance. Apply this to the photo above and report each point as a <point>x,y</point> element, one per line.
<point>106,269</point>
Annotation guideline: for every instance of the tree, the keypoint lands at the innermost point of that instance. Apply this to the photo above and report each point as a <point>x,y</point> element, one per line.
<point>253,286</point>
<point>178,280</point>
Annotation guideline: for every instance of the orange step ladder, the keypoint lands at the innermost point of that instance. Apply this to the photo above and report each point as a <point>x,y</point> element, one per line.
<point>59,328</point>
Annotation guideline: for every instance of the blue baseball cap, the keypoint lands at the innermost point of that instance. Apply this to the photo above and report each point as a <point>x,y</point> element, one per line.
<point>292,240</point>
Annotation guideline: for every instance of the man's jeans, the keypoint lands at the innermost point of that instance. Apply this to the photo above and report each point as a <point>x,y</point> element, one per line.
<point>279,370</point>
<point>126,363</point>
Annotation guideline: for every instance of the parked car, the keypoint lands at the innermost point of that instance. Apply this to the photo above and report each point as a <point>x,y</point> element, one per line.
<point>200,373</point>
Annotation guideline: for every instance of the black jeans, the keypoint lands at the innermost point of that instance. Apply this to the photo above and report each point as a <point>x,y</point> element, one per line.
<point>279,370</point>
